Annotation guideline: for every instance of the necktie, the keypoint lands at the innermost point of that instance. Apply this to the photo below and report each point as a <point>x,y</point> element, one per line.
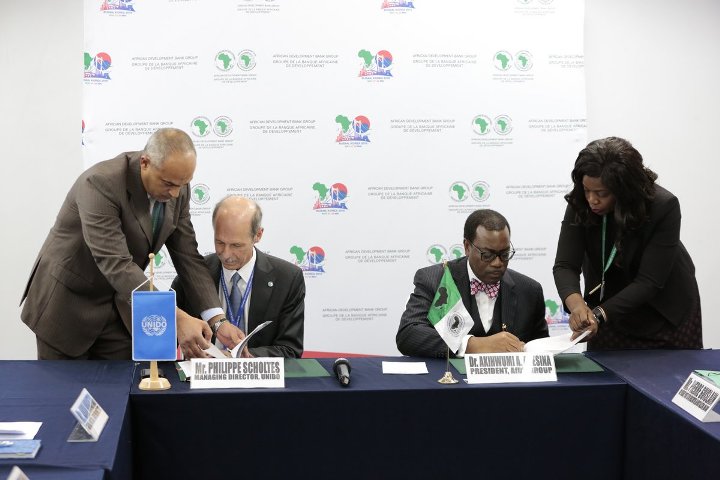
<point>236,300</point>
<point>158,213</point>
<point>491,290</point>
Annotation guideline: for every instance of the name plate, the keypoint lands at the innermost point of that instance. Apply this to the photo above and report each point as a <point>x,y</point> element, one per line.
<point>238,373</point>
<point>510,367</point>
<point>698,397</point>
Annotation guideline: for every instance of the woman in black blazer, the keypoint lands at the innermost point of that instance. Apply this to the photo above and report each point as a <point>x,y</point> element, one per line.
<point>622,231</point>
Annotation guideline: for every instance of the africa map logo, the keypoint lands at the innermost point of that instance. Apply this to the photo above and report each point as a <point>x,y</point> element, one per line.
<point>97,66</point>
<point>460,192</point>
<point>200,194</point>
<point>375,66</point>
<point>226,60</point>
<point>354,130</point>
<point>555,313</point>
<point>501,124</point>
<point>332,198</point>
<point>437,253</point>
<point>202,126</point>
<point>117,5</point>
<point>522,60</point>
<point>311,260</point>
<point>161,259</point>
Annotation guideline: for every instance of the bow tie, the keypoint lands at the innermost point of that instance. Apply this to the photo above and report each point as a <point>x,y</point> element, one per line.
<point>491,290</point>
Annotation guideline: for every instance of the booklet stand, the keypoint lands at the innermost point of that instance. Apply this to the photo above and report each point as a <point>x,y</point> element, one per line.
<point>90,416</point>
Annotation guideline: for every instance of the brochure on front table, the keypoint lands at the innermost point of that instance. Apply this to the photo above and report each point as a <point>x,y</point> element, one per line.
<point>19,448</point>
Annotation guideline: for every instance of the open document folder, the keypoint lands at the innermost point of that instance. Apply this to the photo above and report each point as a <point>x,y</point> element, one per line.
<point>215,352</point>
<point>556,344</point>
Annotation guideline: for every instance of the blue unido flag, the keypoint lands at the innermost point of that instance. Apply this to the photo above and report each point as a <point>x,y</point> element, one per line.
<point>153,323</point>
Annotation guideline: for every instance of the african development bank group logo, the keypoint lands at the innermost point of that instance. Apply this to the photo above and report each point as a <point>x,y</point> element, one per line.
<point>438,253</point>
<point>310,261</point>
<point>504,61</point>
<point>352,131</point>
<point>483,125</point>
<point>330,199</point>
<point>154,325</point>
<point>97,66</point>
<point>376,66</point>
<point>117,6</point>
<point>162,260</point>
<point>202,126</point>
<point>200,194</point>
<point>225,60</point>
<point>459,191</point>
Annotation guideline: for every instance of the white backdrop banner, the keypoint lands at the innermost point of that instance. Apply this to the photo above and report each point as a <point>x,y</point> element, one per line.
<point>367,131</point>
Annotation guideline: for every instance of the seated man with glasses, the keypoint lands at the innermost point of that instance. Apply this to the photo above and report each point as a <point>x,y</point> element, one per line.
<point>508,308</point>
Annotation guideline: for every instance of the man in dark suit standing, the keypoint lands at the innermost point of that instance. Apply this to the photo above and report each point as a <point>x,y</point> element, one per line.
<point>77,300</point>
<point>253,287</point>
<point>507,307</point>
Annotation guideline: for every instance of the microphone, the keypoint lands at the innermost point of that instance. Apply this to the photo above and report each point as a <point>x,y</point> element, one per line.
<point>342,371</point>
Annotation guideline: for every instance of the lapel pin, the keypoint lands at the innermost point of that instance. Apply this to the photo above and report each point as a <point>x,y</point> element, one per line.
<point>270,284</point>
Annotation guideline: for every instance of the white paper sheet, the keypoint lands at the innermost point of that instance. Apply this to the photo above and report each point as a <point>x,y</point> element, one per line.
<point>554,345</point>
<point>404,368</point>
<point>214,352</point>
<point>19,430</point>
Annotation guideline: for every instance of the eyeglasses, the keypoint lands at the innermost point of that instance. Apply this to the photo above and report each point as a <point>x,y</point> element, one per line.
<point>488,257</point>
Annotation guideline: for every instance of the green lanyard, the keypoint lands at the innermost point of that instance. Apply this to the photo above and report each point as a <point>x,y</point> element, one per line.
<point>609,261</point>
<point>604,265</point>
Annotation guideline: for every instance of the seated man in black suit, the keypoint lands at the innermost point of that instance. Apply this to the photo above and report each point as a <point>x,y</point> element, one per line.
<point>253,287</point>
<point>508,308</point>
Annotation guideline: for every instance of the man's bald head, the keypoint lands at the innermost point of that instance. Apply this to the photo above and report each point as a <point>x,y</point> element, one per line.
<point>237,222</point>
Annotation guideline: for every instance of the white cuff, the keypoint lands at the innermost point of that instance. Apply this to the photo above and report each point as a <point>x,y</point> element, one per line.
<point>463,347</point>
<point>211,312</point>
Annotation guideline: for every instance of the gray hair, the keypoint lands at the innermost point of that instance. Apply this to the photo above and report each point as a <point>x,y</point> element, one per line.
<point>165,142</point>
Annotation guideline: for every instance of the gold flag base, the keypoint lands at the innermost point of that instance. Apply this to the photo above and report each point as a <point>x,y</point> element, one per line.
<point>448,379</point>
<point>155,382</point>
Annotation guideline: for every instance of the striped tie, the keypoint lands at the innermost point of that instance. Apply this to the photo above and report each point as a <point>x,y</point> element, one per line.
<point>236,299</point>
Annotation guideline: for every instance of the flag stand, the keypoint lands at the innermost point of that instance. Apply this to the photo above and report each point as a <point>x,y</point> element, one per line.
<point>448,378</point>
<point>155,382</point>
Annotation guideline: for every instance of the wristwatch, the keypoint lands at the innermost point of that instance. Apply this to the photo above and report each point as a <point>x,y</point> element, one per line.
<point>599,314</point>
<point>216,326</point>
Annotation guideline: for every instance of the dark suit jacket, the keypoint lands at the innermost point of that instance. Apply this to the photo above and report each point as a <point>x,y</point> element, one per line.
<point>521,305</point>
<point>96,254</point>
<point>278,294</point>
<point>658,272</point>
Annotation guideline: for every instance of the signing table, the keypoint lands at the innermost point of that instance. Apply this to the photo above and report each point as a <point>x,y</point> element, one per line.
<point>617,423</point>
<point>662,440</point>
<point>44,391</point>
<point>382,426</point>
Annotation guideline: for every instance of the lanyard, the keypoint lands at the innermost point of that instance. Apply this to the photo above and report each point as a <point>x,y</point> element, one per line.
<point>236,317</point>
<point>609,260</point>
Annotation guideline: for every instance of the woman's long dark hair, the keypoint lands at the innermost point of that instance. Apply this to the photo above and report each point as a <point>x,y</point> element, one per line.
<point>620,168</point>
